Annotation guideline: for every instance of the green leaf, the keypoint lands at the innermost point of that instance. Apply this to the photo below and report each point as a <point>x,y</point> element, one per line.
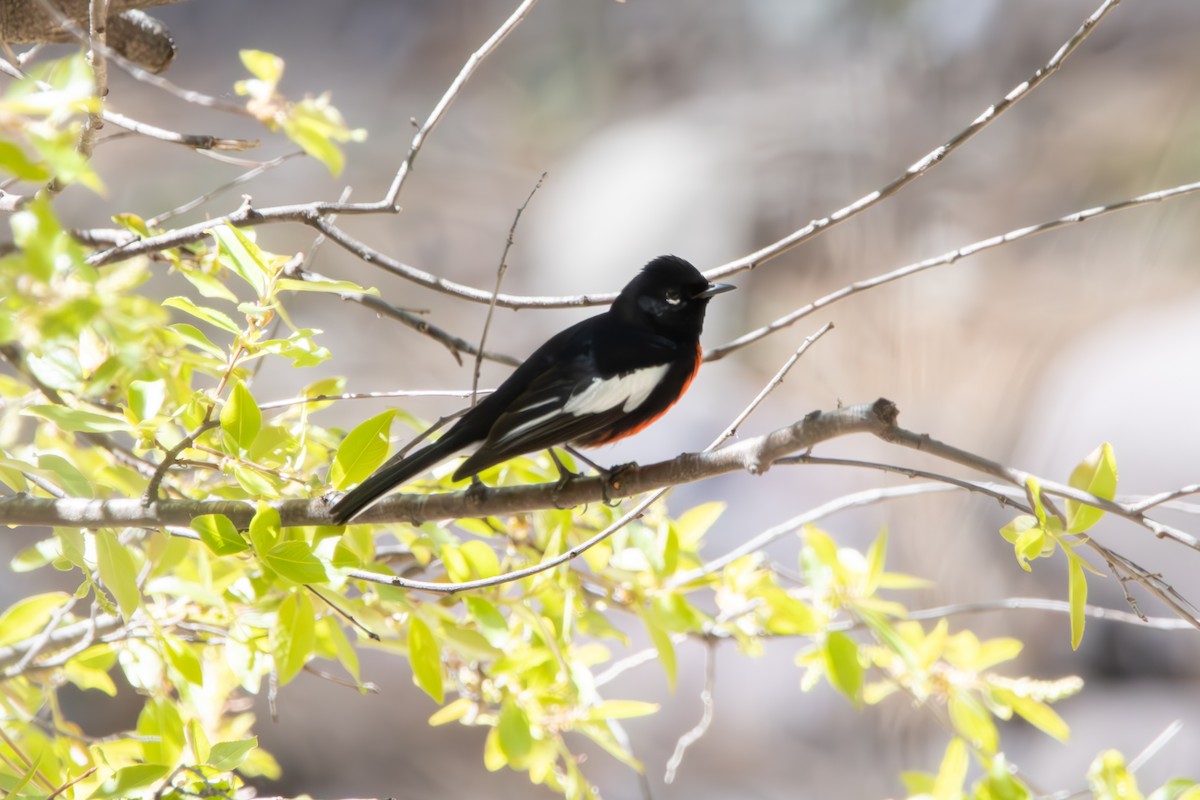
<point>452,711</point>
<point>1077,590</point>
<point>490,623</point>
<point>695,522</point>
<point>184,659</point>
<point>69,477</point>
<point>876,555</point>
<point>362,451</point>
<point>948,785</point>
<point>1177,789</point>
<point>241,419</point>
<point>425,658</point>
<point>316,125</point>
<point>15,162</point>
<point>1035,712</point>
<point>315,284</point>
<point>516,738</point>
<point>146,398</point>
<point>245,258</point>
<point>228,756</point>
<point>77,420</point>
<point>191,335</point>
<point>267,67</point>
<point>661,640</point>
<point>1110,779</point>
<point>265,528</point>
<point>161,727</point>
<point>127,781</point>
<point>1096,474</point>
<point>29,616</point>
<point>295,636</point>
<point>621,709</point>
<point>213,317</point>
<point>843,667</point>
<point>117,571</point>
<point>295,561</point>
<point>973,722</point>
<point>220,534</point>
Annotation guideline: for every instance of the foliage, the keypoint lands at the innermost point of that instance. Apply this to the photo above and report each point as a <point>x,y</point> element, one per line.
<point>111,383</point>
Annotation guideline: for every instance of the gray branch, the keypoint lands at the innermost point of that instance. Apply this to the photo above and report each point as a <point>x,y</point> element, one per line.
<point>752,455</point>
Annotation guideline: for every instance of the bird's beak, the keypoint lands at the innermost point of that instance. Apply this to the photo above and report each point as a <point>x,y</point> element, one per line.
<point>715,289</point>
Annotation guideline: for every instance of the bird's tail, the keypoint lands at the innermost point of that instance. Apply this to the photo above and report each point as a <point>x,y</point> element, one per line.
<point>395,472</point>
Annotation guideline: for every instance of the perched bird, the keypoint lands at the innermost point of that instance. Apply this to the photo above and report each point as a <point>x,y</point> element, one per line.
<point>598,381</point>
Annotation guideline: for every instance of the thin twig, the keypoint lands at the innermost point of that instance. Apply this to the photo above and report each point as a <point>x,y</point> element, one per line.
<point>325,398</point>
<point>944,260</point>
<point>370,634</point>
<point>456,87</point>
<point>866,497</point>
<point>1018,477</point>
<point>926,162</point>
<point>1158,743</point>
<point>706,700</point>
<point>771,385</point>
<point>1054,606</point>
<point>245,177</point>
<point>500,270</point>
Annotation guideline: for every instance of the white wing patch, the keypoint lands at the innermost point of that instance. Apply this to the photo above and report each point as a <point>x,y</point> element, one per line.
<point>629,390</point>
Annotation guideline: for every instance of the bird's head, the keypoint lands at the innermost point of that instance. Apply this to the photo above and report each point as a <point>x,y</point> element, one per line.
<point>669,295</point>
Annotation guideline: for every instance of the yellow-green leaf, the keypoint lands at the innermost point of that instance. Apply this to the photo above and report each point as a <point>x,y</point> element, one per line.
<point>1036,713</point>
<point>948,785</point>
<point>220,534</point>
<point>117,571</point>
<point>227,756</point>
<point>516,738</point>
<point>661,640</point>
<point>973,722</point>
<point>267,67</point>
<point>425,658</point>
<point>241,419</point>
<point>363,449</point>
<point>127,781</point>
<point>265,528</point>
<point>1110,779</point>
<point>295,636</point>
<point>842,665</point>
<point>29,616</point>
<point>213,317</point>
<point>295,561</point>
<point>77,420</point>
<point>490,623</point>
<point>245,259</point>
<point>1096,474</point>
<point>184,659</point>
<point>1077,594</point>
<point>621,709</point>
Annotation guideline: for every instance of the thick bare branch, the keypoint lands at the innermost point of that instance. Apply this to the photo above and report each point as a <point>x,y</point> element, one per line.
<point>753,455</point>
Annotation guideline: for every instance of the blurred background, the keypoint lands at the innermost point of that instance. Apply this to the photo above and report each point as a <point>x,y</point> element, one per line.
<point>709,130</point>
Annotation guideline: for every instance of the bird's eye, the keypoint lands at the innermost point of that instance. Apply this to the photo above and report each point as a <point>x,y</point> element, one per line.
<point>673,297</point>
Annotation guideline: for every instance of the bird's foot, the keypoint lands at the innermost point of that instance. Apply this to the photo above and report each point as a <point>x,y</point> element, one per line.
<point>611,481</point>
<point>565,476</point>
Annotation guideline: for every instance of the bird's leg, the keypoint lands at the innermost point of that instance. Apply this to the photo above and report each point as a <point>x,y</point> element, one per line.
<point>565,476</point>
<point>478,489</point>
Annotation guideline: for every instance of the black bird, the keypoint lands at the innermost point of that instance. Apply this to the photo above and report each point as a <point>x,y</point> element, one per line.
<point>598,381</point>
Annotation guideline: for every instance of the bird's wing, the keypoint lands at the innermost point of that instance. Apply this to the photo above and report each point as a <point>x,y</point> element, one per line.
<point>561,405</point>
